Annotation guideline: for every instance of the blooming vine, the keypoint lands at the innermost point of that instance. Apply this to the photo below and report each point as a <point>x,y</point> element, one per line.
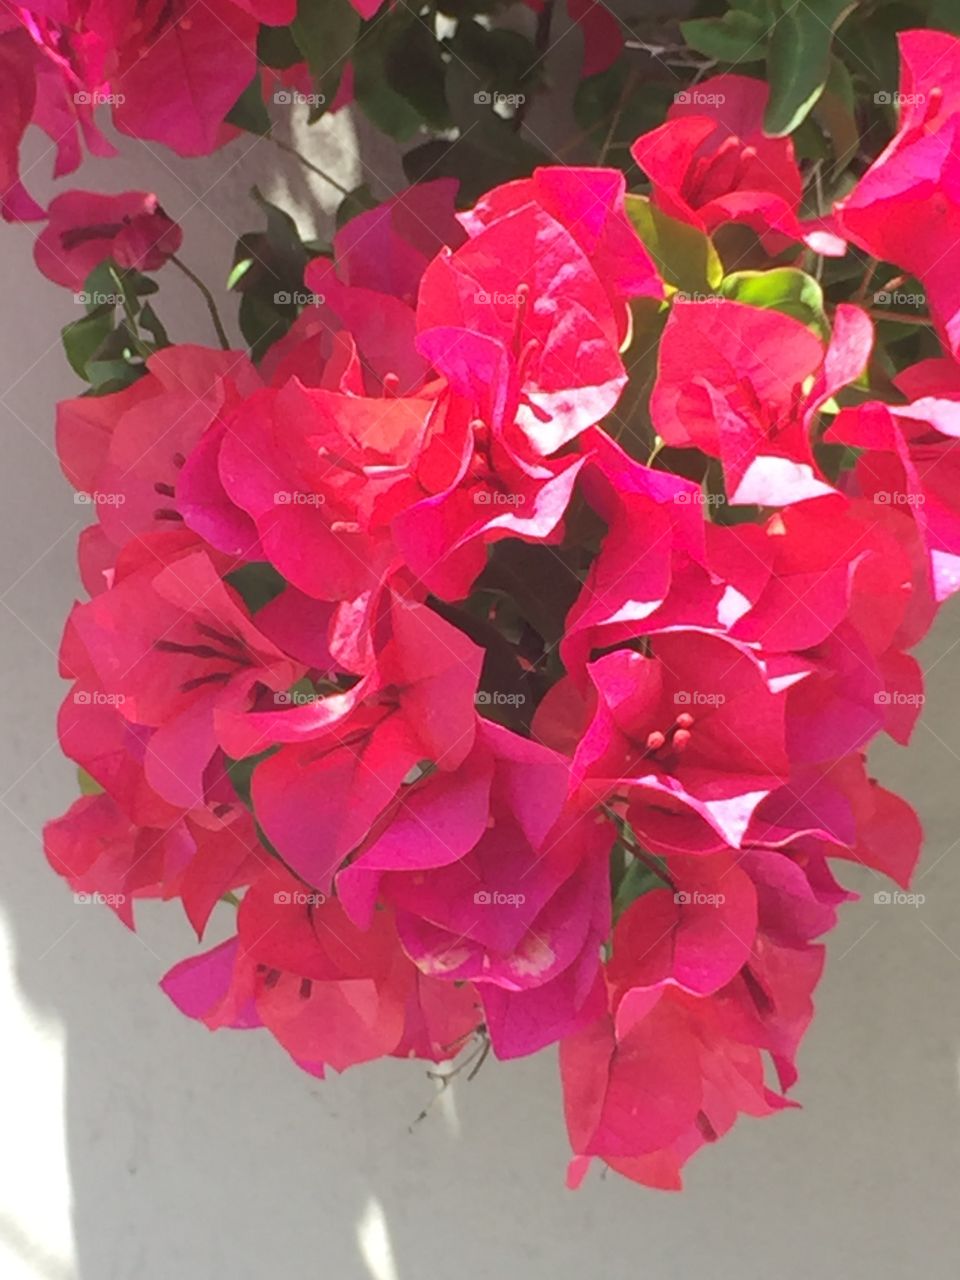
<point>502,637</point>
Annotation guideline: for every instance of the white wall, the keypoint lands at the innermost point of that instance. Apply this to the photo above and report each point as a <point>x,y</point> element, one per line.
<point>138,1145</point>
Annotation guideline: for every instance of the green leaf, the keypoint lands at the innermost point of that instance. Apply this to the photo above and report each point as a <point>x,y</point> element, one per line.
<point>249,111</point>
<point>637,880</point>
<point>684,255</point>
<point>783,289</point>
<point>835,112</point>
<point>489,153</point>
<point>240,773</point>
<point>277,48</point>
<point>414,68</point>
<point>944,16</point>
<point>326,33</point>
<point>376,54</point>
<point>737,36</point>
<point>261,323</point>
<point>360,200</point>
<point>101,284</point>
<point>108,376</point>
<point>798,61</point>
<point>83,338</point>
<point>238,271</point>
<point>615,106</point>
<point>496,61</point>
<point>257,583</point>
<point>88,786</point>
<point>151,323</point>
<point>537,579</point>
<point>283,239</point>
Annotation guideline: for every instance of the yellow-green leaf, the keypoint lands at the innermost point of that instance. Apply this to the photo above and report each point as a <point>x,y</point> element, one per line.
<point>684,255</point>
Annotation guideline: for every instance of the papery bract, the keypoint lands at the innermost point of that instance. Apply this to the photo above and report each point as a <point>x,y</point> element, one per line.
<point>744,384</point>
<point>85,229</point>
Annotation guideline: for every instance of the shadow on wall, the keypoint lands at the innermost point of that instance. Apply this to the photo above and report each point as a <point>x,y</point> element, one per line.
<point>210,1157</point>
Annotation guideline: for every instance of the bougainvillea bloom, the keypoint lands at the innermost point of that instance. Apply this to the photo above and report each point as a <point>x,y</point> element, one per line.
<point>711,163</point>
<point>904,208</point>
<point>490,660</point>
<point>85,229</point>
<point>744,384</point>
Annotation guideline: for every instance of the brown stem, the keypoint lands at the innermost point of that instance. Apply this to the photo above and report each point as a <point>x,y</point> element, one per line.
<point>208,298</point>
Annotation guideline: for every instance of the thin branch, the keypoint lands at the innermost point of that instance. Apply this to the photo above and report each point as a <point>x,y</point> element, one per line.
<point>208,298</point>
<point>292,151</point>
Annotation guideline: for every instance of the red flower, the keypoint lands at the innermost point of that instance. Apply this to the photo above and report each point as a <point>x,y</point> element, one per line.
<point>745,384</point>
<point>518,321</point>
<point>590,204</point>
<point>910,463</point>
<point>904,209</point>
<point>170,642</point>
<point>128,453</point>
<point>712,163</point>
<point>348,755</point>
<point>331,994</point>
<point>679,1054</point>
<point>84,229</point>
<point>688,733</point>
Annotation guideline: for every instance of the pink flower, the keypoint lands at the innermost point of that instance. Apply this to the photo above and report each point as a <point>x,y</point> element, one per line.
<point>169,643</point>
<point>651,572</point>
<point>489,319</point>
<point>589,202</point>
<point>128,452</point>
<point>909,460</point>
<point>84,229</point>
<point>711,163</point>
<point>101,854</point>
<point>688,733</point>
<point>331,994</point>
<point>679,1054</point>
<point>348,755</point>
<point>745,384</point>
<point>694,931</point>
<point>494,883</point>
<point>476,487</point>
<point>904,209</point>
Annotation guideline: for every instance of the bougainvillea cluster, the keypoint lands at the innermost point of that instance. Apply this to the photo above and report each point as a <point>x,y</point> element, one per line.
<point>503,646</point>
